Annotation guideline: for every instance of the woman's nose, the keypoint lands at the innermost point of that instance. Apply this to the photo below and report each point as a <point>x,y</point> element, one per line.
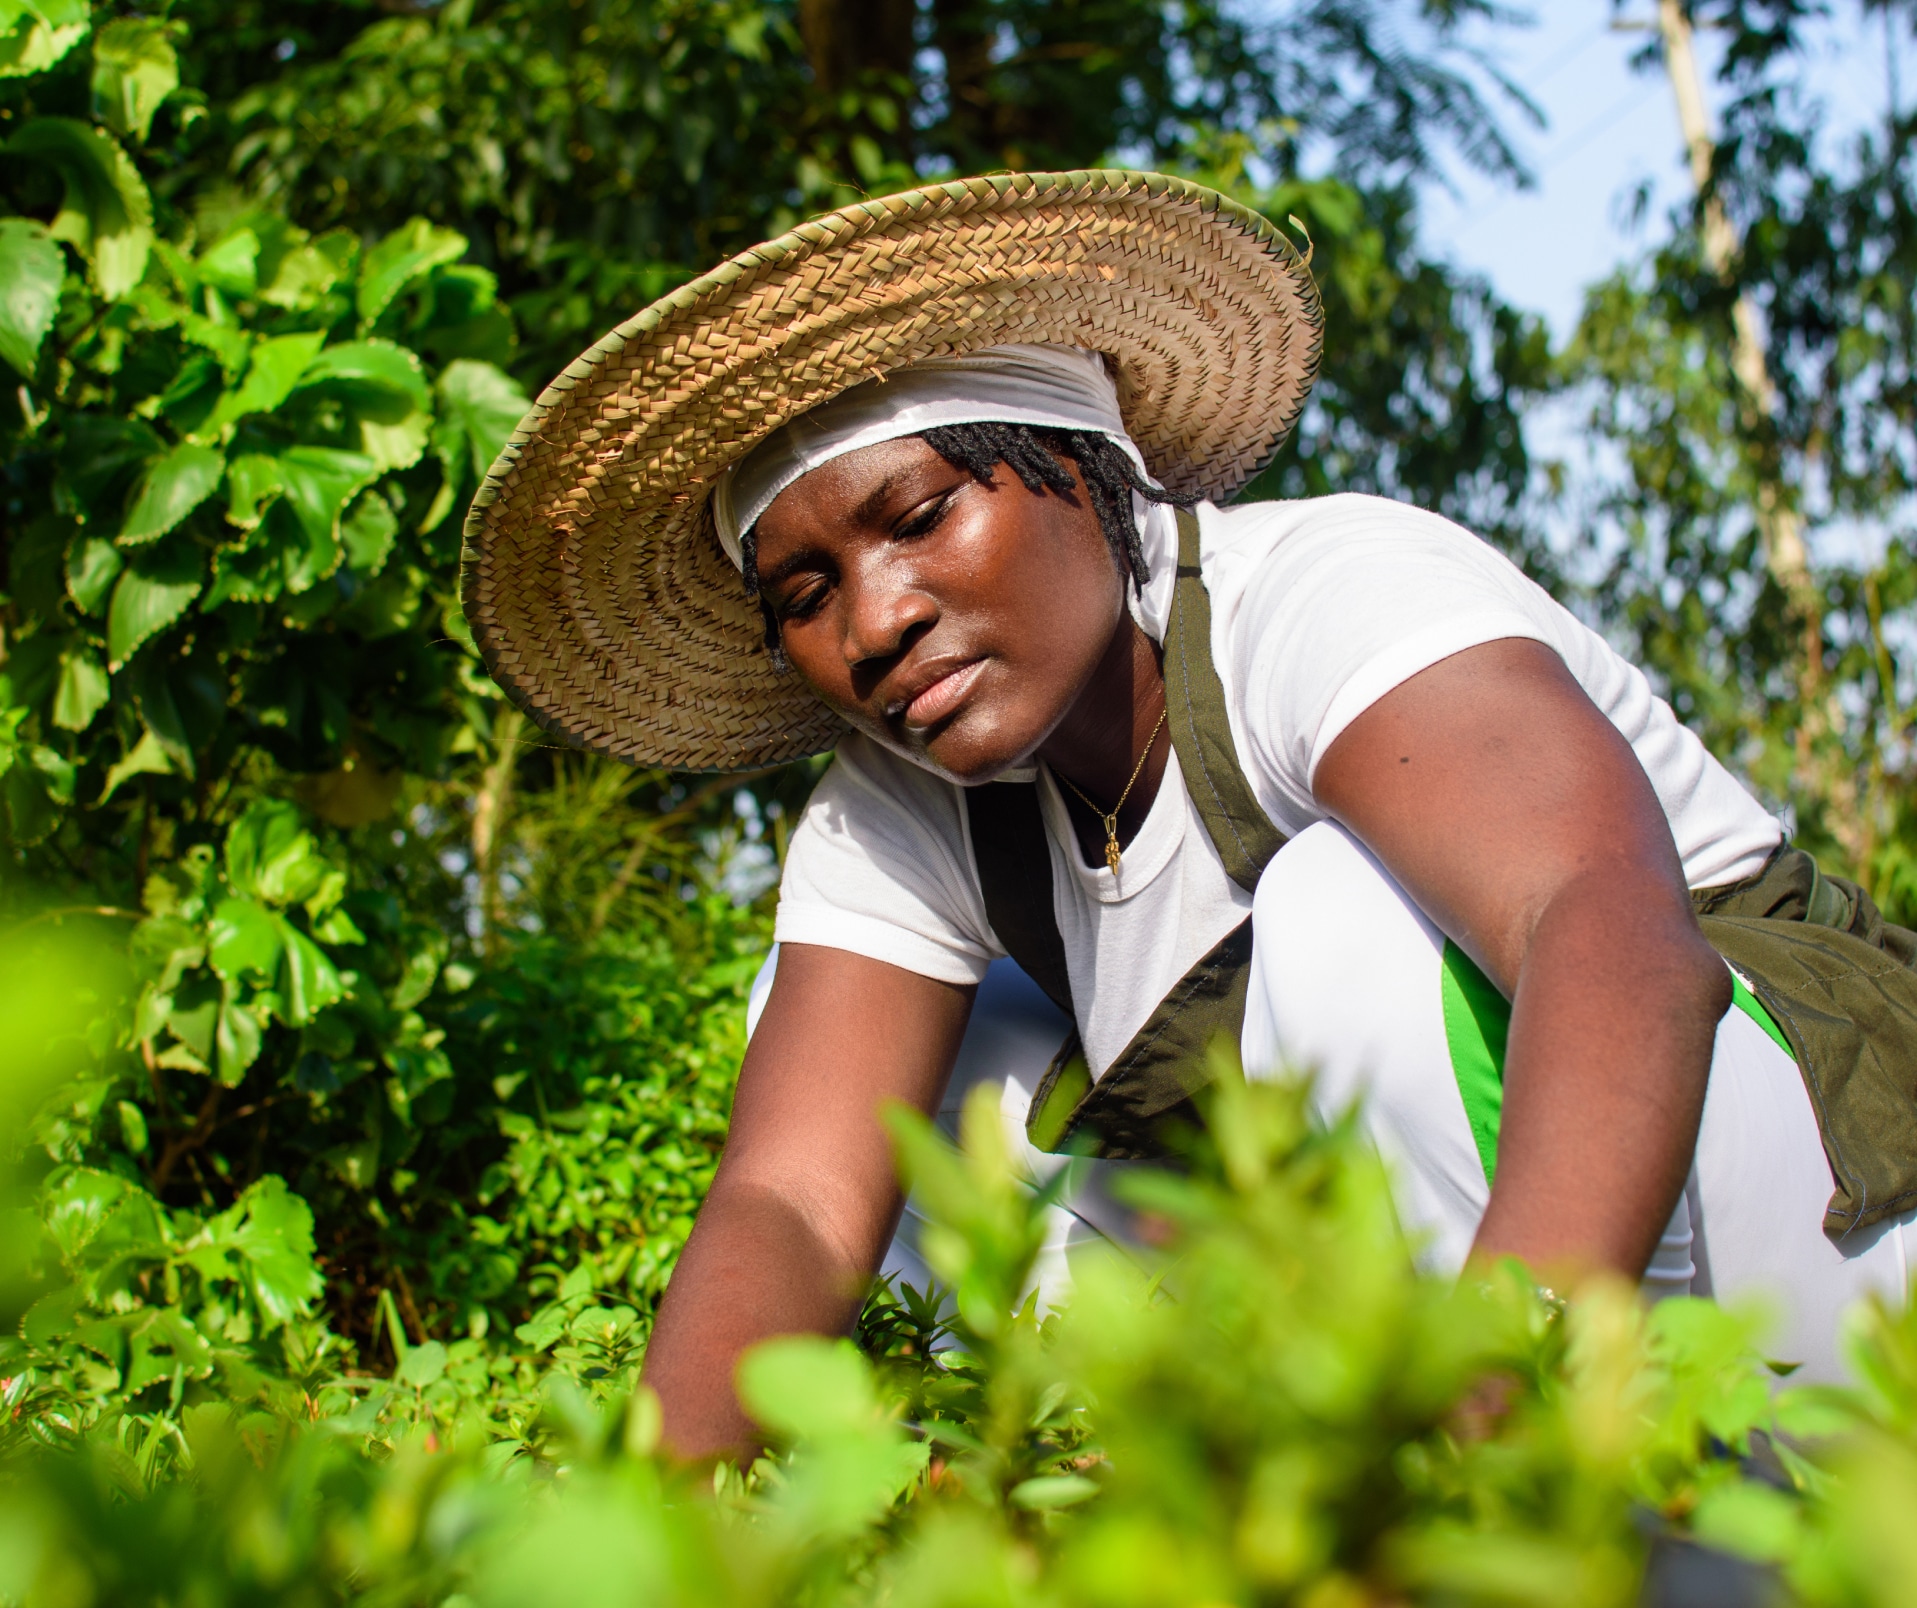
<point>885,613</point>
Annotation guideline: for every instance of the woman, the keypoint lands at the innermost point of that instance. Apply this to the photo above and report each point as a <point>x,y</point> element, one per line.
<point>938,479</point>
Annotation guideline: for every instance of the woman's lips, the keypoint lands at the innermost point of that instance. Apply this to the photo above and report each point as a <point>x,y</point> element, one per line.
<point>943,696</point>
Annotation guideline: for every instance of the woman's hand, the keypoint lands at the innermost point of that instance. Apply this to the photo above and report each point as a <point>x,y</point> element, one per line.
<point>806,1196</point>
<point>1519,819</point>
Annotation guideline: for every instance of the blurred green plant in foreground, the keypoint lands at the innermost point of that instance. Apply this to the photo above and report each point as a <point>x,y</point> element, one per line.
<point>1273,1406</point>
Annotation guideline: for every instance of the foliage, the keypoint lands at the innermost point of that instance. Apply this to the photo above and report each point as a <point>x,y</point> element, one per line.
<point>362,1016</point>
<point>1755,543</point>
<point>1276,1407</point>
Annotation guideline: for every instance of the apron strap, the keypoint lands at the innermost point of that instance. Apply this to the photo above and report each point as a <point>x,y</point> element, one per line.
<point>1151,1082</point>
<point>1201,730</point>
<point>1015,876</point>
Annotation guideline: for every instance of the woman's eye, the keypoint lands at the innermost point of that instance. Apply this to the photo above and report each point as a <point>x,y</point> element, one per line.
<point>803,602</point>
<point>922,520</point>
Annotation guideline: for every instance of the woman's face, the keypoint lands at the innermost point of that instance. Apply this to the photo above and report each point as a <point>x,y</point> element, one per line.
<point>954,622</point>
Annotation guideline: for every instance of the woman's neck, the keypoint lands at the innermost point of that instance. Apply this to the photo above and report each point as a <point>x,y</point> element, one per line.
<point>1100,739</point>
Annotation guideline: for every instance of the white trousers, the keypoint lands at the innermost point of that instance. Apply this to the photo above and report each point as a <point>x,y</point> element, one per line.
<point>1346,982</point>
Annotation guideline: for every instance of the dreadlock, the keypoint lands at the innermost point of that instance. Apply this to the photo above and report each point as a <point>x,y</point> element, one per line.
<point>1034,453</point>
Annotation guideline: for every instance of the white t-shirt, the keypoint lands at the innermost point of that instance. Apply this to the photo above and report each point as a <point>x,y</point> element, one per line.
<point>1319,608</point>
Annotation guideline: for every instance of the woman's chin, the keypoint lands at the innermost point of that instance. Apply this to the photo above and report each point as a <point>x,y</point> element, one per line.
<point>968,752</point>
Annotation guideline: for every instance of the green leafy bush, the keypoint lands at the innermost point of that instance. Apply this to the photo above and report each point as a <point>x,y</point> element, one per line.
<point>351,1071</point>
<point>1274,1406</point>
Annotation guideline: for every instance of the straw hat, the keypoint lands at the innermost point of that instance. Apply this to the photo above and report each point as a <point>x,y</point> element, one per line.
<point>592,577</point>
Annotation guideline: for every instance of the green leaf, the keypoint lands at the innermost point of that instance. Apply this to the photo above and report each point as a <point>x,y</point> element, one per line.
<point>317,482</point>
<point>416,248</point>
<point>154,591</point>
<point>804,1388</point>
<point>271,855</point>
<point>371,376</point>
<point>243,937</point>
<point>309,981</point>
<point>275,368</point>
<point>384,387</point>
<point>101,460</point>
<point>93,566</point>
<point>367,534</point>
<point>1052,1491</point>
<point>479,407</point>
<point>32,271</point>
<point>237,1040</point>
<point>175,485</point>
<point>423,1365</point>
<point>36,34</point>
<point>148,757</point>
<point>82,691</point>
<point>133,1132</point>
<point>134,70</point>
<point>162,1345</point>
<point>75,1203</point>
<point>304,274</point>
<point>252,479</point>
<point>544,1328</point>
<point>231,264</point>
<point>106,212</point>
<point>275,1241</point>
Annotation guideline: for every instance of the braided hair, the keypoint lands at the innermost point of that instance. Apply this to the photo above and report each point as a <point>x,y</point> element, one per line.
<point>1034,453</point>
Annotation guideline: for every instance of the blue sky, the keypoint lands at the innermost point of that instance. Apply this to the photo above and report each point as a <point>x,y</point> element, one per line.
<point>1610,129</point>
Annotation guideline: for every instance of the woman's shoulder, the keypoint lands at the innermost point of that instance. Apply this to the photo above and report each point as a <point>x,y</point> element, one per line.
<point>1322,563</point>
<point>1355,526</point>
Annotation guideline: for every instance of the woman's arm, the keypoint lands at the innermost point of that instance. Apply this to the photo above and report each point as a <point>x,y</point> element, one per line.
<point>1517,816</point>
<point>805,1199</point>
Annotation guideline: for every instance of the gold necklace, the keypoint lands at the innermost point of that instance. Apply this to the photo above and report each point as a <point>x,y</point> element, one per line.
<point>1110,822</point>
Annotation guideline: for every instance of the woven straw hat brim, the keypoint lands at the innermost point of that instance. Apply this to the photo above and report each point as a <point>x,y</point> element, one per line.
<point>592,578</point>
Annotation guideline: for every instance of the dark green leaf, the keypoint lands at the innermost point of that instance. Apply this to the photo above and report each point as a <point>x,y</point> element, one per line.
<point>174,486</point>
<point>155,590</point>
<point>107,213</point>
<point>309,981</point>
<point>82,691</point>
<point>31,274</point>
<point>317,481</point>
<point>93,565</point>
<point>274,369</point>
<point>367,534</point>
<point>413,249</point>
<point>374,376</point>
<point>480,406</point>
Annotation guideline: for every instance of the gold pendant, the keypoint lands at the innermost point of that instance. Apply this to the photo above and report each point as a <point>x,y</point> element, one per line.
<point>1111,853</point>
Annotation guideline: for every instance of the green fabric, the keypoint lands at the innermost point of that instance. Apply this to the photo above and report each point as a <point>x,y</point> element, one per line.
<point>1747,1002</point>
<point>1477,1027</point>
<point>1477,1022</point>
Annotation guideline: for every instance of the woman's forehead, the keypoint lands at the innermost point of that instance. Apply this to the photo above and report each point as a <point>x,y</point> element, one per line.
<point>853,489</point>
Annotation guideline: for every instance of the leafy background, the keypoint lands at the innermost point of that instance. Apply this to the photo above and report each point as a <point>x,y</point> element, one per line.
<point>393,1045</point>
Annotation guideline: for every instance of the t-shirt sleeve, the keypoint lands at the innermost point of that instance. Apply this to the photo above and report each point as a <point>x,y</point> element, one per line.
<point>879,865</point>
<point>1354,600</point>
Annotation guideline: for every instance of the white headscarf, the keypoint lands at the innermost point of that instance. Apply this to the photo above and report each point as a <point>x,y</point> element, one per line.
<point>1061,387</point>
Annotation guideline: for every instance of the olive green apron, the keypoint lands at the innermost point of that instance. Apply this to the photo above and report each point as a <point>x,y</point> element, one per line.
<point>1832,974</point>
